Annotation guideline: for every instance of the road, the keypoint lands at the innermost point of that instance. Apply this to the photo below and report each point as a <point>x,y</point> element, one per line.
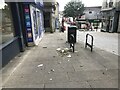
<point>103,40</point>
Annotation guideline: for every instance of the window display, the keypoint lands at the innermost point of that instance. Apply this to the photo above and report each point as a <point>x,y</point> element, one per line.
<point>7,24</point>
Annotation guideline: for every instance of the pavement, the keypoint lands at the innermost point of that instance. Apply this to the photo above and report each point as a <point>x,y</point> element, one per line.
<point>44,67</point>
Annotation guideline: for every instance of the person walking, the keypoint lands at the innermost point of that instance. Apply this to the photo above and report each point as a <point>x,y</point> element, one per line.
<point>62,27</point>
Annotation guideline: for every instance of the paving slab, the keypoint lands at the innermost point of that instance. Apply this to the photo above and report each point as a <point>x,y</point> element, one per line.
<point>68,85</point>
<point>85,69</point>
<point>104,83</point>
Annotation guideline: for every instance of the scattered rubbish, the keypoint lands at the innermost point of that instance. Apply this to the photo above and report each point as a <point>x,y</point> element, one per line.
<point>50,79</point>
<point>68,60</point>
<point>63,51</point>
<point>81,66</point>
<point>70,50</point>
<point>44,47</point>
<point>113,51</point>
<point>40,65</point>
<point>52,70</point>
<point>48,72</point>
<point>66,49</point>
<point>36,71</point>
<point>69,56</point>
<point>76,51</point>
<point>106,69</point>
<point>59,63</point>
<point>58,49</point>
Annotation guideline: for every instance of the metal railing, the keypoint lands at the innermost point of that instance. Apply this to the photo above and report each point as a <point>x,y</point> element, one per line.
<point>88,44</point>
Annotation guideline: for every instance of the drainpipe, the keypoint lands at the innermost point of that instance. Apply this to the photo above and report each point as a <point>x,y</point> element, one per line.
<point>20,36</point>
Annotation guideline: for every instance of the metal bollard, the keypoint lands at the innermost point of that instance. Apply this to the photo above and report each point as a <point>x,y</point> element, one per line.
<point>87,44</point>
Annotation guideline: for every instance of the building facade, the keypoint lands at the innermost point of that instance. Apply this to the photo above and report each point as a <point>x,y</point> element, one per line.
<point>18,28</point>
<point>110,15</point>
<point>92,12</point>
<point>57,23</point>
<point>51,11</point>
<point>91,18</point>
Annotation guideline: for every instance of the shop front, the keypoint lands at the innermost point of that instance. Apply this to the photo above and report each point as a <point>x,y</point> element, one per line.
<point>21,26</point>
<point>34,26</point>
<point>110,21</point>
<point>12,40</point>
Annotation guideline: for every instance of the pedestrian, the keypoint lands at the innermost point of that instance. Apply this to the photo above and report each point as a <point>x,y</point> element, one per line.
<point>62,27</point>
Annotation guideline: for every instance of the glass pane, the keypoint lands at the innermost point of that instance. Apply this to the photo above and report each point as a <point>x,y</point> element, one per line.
<point>7,24</point>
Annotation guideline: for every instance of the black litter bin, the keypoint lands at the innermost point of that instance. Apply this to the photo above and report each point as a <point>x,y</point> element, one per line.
<point>72,31</point>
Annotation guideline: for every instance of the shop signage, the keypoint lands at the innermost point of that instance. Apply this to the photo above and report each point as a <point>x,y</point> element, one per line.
<point>28,23</point>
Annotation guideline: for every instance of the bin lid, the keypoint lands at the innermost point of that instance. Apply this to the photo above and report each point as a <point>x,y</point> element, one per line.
<point>72,26</point>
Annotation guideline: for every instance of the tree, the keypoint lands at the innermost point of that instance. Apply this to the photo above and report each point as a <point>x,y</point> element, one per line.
<point>73,9</point>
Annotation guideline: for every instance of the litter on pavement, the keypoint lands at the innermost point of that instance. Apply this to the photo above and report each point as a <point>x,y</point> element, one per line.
<point>59,63</point>
<point>64,51</point>
<point>106,69</point>
<point>40,65</point>
<point>50,79</point>
<point>58,49</point>
<point>52,70</point>
<point>48,72</point>
<point>69,56</point>
<point>76,51</point>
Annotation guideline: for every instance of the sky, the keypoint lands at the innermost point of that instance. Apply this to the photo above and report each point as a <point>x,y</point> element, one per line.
<point>87,3</point>
<point>62,3</point>
<point>1,4</point>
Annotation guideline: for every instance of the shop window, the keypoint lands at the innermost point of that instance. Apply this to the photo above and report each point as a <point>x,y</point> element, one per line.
<point>7,24</point>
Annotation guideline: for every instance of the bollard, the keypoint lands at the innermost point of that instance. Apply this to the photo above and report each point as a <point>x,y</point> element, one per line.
<point>87,44</point>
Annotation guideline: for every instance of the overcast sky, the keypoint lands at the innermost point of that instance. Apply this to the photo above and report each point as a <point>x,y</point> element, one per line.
<point>64,2</point>
<point>85,2</point>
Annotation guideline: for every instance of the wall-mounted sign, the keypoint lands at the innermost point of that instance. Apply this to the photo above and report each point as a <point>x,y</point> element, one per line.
<point>28,24</point>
